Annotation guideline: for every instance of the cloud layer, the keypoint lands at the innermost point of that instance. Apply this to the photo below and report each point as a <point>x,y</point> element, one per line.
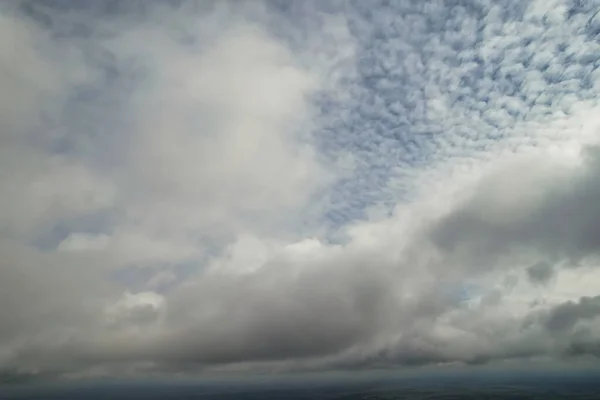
<point>190,187</point>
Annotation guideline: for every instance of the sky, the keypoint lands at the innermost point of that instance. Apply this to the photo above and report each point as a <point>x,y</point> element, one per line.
<point>194,187</point>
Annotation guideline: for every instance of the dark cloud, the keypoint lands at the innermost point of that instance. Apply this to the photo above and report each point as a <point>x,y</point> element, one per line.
<point>566,315</point>
<point>555,215</point>
<point>540,272</point>
<point>281,315</point>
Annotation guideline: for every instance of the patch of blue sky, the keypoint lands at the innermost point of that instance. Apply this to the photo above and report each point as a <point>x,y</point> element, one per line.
<point>494,64</point>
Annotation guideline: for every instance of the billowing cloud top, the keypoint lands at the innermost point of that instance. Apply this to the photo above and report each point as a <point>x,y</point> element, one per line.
<point>193,186</point>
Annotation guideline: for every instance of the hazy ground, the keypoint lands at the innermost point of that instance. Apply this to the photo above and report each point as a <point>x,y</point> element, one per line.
<point>388,385</point>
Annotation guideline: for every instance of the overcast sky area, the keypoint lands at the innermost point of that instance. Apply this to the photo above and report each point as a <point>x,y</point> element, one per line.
<point>190,187</point>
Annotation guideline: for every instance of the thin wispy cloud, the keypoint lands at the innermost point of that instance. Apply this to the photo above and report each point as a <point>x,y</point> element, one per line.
<point>190,187</point>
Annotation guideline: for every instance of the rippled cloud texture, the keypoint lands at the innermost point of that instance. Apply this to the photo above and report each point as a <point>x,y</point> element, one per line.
<point>205,186</point>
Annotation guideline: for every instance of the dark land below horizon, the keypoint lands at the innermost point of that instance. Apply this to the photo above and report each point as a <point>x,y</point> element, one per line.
<point>389,385</point>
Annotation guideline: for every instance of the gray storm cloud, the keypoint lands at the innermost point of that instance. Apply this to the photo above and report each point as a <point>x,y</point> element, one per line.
<point>555,214</point>
<point>172,199</point>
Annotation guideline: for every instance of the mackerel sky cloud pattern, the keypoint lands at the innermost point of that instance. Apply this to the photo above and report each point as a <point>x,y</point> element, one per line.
<point>193,187</point>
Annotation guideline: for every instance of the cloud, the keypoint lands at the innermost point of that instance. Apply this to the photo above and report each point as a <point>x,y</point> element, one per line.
<point>192,187</point>
<point>567,314</point>
<point>540,272</point>
<point>552,214</point>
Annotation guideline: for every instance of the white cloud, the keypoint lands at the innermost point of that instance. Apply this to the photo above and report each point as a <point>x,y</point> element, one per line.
<point>421,187</point>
